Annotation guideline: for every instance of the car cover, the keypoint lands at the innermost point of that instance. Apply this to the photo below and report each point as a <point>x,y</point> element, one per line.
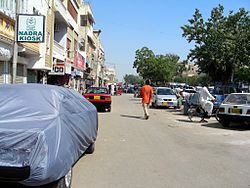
<point>44,127</point>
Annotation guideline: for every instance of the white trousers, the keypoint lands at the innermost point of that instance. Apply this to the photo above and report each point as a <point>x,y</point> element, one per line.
<point>145,108</point>
<point>207,106</point>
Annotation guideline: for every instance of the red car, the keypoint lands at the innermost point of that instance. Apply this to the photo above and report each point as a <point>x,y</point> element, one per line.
<point>100,97</point>
<point>119,91</point>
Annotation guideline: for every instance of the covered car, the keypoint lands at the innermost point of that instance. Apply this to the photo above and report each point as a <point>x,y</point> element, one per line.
<point>164,96</point>
<point>235,108</point>
<point>100,97</point>
<point>44,130</point>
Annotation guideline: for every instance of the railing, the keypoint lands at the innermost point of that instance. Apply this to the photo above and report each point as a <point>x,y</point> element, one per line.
<point>61,9</point>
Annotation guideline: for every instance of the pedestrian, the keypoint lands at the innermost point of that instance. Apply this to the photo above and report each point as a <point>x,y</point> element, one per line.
<point>179,98</point>
<point>112,89</point>
<point>206,100</point>
<point>147,95</point>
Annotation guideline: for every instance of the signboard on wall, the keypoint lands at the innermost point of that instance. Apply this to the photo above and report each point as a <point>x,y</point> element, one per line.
<point>30,28</point>
<point>58,69</point>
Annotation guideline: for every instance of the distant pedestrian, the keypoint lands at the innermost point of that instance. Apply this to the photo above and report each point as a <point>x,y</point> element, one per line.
<point>112,89</point>
<point>147,95</point>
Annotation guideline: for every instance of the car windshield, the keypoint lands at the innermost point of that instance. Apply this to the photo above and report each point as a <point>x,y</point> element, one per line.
<point>238,99</point>
<point>165,92</point>
<point>97,91</point>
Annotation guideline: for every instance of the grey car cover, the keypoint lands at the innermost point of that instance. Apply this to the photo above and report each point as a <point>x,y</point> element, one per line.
<point>46,128</point>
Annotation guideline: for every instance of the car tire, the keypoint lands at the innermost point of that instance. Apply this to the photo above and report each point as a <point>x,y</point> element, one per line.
<point>91,149</point>
<point>155,104</point>
<point>224,123</point>
<point>64,182</point>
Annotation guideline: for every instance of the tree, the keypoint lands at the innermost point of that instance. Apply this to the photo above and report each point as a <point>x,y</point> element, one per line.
<point>132,79</point>
<point>158,68</point>
<point>221,43</point>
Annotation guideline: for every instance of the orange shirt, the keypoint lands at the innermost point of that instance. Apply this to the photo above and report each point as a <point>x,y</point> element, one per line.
<point>146,94</point>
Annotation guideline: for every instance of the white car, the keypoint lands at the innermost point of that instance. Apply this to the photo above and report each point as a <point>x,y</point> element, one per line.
<point>235,108</point>
<point>164,96</point>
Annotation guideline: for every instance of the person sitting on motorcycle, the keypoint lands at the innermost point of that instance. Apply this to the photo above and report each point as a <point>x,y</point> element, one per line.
<point>206,104</point>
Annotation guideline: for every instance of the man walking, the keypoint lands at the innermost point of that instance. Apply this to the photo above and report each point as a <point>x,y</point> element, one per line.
<point>146,94</point>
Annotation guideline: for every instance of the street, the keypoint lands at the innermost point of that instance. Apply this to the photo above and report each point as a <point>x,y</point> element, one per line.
<point>167,150</point>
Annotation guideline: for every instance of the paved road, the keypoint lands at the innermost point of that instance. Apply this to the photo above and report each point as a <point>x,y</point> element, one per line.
<point>165,151</point>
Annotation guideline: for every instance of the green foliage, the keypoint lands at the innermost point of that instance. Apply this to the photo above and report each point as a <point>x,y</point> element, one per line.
<point>221,43</point>
<point>132,79</point>
<point>158,68</point>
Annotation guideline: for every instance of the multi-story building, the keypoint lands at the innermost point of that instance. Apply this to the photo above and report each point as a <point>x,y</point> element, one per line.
<point>66,55</point>
<point>110,75</point>
<point>27,52</point>
<point>89,46</point>
<point>71,54</point>
<point>191,70</point>
<point>99,59</point>
<point>39,67</point>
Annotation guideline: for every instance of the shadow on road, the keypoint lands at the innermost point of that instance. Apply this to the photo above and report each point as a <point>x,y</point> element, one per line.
<point>187,121</point>
<point>234,127</point>
<point>130,116</point>
<point>135,99</point>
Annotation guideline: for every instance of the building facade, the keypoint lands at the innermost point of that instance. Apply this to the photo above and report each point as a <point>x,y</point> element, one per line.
<point>72,54</point>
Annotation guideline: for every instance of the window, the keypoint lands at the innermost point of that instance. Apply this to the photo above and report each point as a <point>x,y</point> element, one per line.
<point>84,20</point>
<point>19,71</point>
<point>68,48</point>
<point>72,11</point>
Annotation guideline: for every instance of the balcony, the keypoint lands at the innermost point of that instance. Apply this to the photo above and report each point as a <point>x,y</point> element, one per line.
<point>58,51</point>
<point>72,22</point>
<point>60,10</point>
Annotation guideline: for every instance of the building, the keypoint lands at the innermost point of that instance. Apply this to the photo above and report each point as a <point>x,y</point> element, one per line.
<point>89,46</point>
<point>99,59</point>
<point>28,53</point>
<point>110,75</point>
<point>71,55</point>
<point>191,70</point>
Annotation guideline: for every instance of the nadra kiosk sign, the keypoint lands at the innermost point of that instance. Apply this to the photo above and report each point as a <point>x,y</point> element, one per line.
<point>30,28</point>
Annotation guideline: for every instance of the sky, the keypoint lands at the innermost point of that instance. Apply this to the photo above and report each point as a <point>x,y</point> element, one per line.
<point>132,24</point>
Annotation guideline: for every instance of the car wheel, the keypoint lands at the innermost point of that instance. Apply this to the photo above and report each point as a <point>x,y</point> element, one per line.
<point>155,104</point>
<point>91,149</point>
<point>64,182</point>
<point>109,109</point>
<point>216,116</point>
<point>224,123</point>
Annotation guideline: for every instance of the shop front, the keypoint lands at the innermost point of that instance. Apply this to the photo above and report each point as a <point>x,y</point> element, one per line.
<point>60,74</point>
<point>77,73</point>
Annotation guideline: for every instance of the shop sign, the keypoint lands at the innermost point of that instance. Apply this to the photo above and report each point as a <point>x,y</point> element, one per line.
<point>30,28</point>
<point>57,70</point>
<point>68,66</point>
<point>79,61</point>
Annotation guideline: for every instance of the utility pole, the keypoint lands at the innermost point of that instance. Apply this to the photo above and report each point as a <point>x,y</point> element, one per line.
<point>15,47</point>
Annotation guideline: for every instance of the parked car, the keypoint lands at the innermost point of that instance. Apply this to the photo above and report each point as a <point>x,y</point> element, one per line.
<point>119,91</point>
<point>100,97</point>
<point>137,92</point>
<point>235,108</point>
<point>44,130</point>
<point>164,96</point>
